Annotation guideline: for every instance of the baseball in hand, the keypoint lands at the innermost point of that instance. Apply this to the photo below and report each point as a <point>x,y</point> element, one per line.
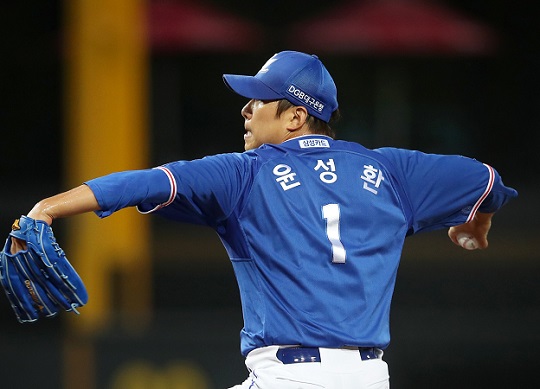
<point>467,241</point>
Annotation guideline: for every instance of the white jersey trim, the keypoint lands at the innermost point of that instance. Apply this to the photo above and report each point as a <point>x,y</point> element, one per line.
<point>172,195</point>
<point>489,187</point>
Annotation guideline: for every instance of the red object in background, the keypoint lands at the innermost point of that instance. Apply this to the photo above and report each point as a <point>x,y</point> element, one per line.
<point>189,26</point>
<point>394,27</point>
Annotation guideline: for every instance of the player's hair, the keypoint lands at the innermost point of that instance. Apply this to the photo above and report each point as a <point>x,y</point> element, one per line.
<point>316,125</point>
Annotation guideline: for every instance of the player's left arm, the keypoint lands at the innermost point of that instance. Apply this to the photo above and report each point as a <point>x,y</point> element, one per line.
<point>472,235</point>
<point>76,201</point>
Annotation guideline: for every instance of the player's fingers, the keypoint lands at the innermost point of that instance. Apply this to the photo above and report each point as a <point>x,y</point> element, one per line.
<point>482,242</point>
<point>452,234</point>
<point>471,242</point>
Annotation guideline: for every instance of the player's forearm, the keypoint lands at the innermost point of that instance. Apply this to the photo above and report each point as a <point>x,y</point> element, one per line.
<point>73,202</point>
<point>483,218</point>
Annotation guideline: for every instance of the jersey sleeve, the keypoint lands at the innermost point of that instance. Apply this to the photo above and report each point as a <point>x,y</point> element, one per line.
<point>202,191</point>
<point>130,188</point>
<point>205,190</point>
<point>446,190</point>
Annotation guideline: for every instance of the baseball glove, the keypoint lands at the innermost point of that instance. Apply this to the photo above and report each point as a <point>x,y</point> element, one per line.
<point>39,281</point>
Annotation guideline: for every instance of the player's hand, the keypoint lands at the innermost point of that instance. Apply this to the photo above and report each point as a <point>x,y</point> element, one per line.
<point>472,235</point>
<point>40,281</point>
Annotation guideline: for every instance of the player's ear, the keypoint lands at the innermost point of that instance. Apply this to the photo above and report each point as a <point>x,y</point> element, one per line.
<point>298,117</point>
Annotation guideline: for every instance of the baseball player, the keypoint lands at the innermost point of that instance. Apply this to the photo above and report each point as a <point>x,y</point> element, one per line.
<point>313,226</point>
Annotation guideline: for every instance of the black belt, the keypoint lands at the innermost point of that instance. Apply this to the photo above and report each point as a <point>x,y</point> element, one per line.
<point>289,355</point>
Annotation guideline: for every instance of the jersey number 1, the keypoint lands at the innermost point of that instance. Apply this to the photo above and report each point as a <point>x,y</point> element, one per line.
<point>332,213</point>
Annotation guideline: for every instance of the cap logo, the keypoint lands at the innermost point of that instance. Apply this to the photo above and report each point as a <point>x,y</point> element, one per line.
<point>265,67</point>
<point>299,94</point>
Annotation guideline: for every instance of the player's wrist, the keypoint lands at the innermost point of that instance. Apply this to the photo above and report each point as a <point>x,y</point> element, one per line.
<point>484,217</point>
<point>39,212</point>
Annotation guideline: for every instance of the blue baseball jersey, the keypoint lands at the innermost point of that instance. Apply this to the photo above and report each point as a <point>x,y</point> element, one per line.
<point>314,227</point>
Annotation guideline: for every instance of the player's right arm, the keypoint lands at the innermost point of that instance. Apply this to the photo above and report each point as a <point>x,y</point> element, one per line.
<point>449,191</point>
<point>476,231</point>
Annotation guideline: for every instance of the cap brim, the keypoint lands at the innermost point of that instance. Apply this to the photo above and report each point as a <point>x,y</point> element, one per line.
<point>250,87</point>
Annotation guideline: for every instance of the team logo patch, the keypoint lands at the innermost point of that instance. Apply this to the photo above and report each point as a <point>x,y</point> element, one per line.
<point>313,142</point>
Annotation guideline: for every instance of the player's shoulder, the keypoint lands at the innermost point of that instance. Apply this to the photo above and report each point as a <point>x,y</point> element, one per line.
<point>228,158</point>
<point>219,163</point>
<point>410,157</point>
<point>395,152</point>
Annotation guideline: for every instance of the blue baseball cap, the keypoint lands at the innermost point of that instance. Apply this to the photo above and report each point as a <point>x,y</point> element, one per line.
<point>300,78</point>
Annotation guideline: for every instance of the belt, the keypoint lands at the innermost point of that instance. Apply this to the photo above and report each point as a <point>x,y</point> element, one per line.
<point>288,355</point>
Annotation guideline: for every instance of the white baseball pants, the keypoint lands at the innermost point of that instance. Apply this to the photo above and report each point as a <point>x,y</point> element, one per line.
<point>337,369</point>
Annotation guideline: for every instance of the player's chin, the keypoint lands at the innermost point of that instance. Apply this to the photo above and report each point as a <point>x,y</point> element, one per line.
<point>250,144</point>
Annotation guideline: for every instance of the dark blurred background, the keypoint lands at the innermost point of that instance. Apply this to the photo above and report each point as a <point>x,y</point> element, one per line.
<point>442,76</point>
